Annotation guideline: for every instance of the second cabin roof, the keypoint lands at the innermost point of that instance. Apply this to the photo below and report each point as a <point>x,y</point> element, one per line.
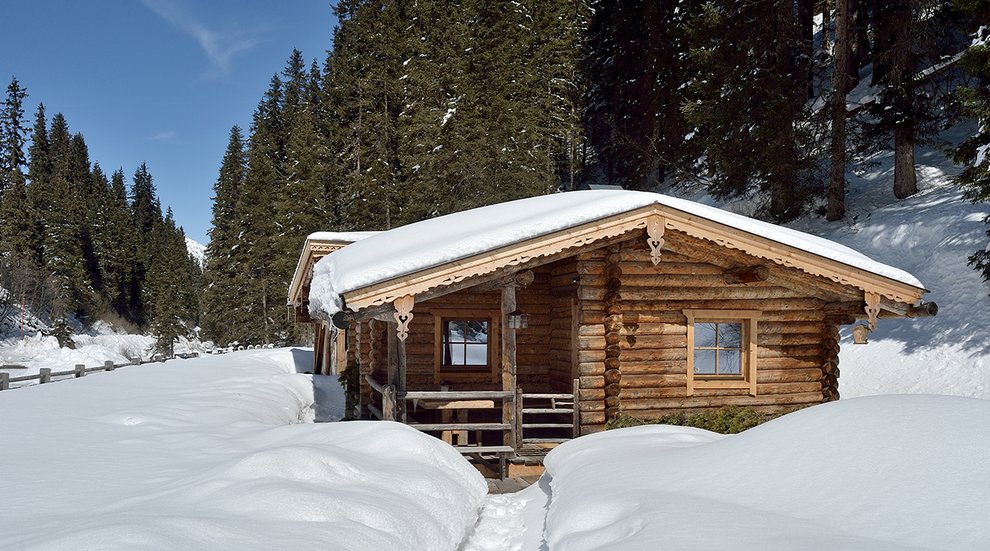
<point>420,246</point>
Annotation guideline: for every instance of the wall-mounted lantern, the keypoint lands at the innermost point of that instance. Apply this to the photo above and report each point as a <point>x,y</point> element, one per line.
<point>517,319</point>
<point>860,332</point>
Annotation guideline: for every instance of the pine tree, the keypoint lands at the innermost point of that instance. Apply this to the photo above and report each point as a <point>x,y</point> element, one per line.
<point>972,153</point>
<point>13,136</point>
<point>146,216</point>
<point>749,116</point>
<point>223,314</point>
<point>257,282</point>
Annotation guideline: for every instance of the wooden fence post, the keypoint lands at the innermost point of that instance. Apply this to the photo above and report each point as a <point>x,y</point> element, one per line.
<point>80,370</point>
<point>45,374</point>
<point>108,365</point>
<point>518,426</point>
<point>388,403</point>
<point>577,413</point>
<point>4,381</point>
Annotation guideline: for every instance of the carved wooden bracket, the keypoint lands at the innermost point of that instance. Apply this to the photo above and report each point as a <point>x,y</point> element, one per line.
<point>403,315</point>
<point>872,308</point>
<point>655,227</point>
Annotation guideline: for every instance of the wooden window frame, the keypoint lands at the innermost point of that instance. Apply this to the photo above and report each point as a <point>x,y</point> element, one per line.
<point>489,373</point>
<point>748,355</point>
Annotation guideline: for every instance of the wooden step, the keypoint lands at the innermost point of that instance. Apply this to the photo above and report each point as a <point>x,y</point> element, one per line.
<point>546,410</point>
<point>545,440</point>
<point>460,426</point>
<point>484,449</point>
<point>548,425</point>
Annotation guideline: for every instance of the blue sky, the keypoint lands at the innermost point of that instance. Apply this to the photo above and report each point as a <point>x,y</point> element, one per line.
<point>160,81</point>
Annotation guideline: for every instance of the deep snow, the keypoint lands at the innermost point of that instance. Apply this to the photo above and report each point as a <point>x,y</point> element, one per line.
<point>884,472</point>
<point>217,453</point>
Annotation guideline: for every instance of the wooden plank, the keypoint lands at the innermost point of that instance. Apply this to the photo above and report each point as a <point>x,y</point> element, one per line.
<point>484,449</point>
<point>459,394</point>
<point>548,410</point>
<point>427,427</point>
<point>455,404</point>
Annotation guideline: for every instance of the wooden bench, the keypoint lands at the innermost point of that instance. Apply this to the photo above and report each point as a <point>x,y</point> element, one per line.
<point>502,452</point>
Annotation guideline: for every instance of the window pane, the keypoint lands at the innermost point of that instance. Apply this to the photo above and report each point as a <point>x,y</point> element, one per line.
<point>453,331</point>
<point>477,354</point>
<point>457,354</point>
<point>704,362</point>
<point>477,331</point>
<point>704,335</point>
<point>729,362</point>
<point>729,335</point>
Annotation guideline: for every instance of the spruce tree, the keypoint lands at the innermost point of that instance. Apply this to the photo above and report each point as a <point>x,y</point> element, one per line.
<point>223,314</point>
<point>973,152</point>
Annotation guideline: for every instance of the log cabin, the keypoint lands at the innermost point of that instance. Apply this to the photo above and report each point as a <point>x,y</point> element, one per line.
<point>510,328</point>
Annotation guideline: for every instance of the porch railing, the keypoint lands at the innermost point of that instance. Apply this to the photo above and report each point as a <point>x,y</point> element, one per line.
<point>545,413</point>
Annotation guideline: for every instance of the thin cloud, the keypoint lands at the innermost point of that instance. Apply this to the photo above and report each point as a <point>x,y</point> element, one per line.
<point>163,136</point>
<point>220,47</point>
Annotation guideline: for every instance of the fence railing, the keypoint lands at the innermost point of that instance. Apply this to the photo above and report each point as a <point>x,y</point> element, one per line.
<point>46,375</point>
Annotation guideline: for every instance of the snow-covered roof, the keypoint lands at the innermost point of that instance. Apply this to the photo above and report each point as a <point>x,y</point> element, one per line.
<point>437,241</point>
<point>328,239</point>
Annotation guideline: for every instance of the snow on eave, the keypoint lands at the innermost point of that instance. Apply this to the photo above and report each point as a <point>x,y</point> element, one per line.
<point>320,238</point>
<point>399,253</point>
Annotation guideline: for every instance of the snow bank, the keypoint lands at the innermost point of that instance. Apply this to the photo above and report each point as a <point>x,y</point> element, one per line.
<point>428,243</point>
<point>886,472</point>
<point>213,453</point>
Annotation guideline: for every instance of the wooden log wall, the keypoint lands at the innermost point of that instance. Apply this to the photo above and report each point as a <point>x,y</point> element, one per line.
<point>563,332</point>
<point>794,344</point>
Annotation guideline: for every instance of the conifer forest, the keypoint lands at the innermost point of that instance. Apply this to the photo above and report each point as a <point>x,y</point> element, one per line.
<point>423,108</point>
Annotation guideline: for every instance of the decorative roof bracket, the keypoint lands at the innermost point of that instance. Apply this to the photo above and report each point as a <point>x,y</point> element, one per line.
<point>655,227</point>
<point>403,315</point>
<point>872,308</point>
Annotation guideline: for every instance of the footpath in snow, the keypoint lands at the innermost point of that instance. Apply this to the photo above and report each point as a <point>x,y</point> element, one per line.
<point>219,453</point>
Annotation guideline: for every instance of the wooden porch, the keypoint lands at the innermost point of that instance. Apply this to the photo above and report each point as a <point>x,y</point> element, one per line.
<point>490,427</point>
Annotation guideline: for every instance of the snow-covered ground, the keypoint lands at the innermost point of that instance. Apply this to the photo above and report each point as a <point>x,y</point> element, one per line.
<point>884,472</point>
<point>219,453</point>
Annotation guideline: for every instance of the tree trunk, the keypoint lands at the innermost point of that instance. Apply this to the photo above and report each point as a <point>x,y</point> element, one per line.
<point>856,51</point>
<point>806,19</point>
<point>836,208</point>
<point>905,178</point>
<point>826,24</point>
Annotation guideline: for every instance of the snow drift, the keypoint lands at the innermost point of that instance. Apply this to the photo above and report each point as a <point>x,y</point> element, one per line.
<point>211,453</point>
<point>885,472</point>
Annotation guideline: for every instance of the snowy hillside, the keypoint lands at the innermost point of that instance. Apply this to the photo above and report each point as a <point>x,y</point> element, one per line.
<point>197,250</point>
<point>930,235</point>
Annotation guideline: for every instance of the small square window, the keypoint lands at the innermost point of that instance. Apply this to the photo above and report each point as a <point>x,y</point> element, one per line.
<point>717,348</point>
<point>721,349</point>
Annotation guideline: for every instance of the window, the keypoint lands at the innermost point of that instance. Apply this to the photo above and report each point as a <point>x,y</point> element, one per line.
<point>721,349</point>
<point>466,345</point>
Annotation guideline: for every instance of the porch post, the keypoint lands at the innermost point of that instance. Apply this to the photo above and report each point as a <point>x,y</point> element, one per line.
<point>508,362</point>
<point>397,369</point>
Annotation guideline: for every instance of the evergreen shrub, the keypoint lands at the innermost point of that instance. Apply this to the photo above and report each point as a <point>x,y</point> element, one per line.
<point>724,420</point>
